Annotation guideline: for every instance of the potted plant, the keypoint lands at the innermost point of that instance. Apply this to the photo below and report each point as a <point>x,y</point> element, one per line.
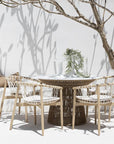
<point>75,63</point>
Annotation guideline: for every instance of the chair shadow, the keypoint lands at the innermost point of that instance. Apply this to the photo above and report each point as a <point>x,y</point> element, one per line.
<point>30,126</point>
<point>92,127</point>
<point>88,127</point>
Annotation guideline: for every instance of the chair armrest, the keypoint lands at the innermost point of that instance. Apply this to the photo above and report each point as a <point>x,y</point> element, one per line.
<point>32,79</point>
<point>110,83</point>
<point>37,84</point>
<point>88,86</point>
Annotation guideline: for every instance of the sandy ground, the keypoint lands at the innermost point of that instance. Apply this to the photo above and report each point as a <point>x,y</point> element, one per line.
<point>29,133</point>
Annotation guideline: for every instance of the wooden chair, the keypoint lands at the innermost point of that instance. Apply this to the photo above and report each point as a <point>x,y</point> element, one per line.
<point>83,98</point>
<point>103,91</point>
<point>31,99</point>
<point>8,95</point>
<point>112,95</point>
<point>109,80</point>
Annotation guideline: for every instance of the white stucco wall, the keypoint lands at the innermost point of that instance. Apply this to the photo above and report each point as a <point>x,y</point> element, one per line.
<point>31,40</point>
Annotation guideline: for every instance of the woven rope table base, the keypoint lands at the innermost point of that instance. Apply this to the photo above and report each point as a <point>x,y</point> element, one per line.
<point>54,112</point>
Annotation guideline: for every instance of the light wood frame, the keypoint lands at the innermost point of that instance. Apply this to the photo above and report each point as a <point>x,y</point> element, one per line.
<point>112,94</point>
<point>96,104</point>
<point>12,96</point>
<point>41,104</point>
<point>105,79</point>
<point>9,96</point>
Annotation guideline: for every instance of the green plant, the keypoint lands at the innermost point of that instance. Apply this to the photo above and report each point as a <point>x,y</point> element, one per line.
<point>75,62</point>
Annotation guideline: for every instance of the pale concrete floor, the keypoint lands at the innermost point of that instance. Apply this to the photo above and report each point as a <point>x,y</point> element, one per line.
<point>28,133</point>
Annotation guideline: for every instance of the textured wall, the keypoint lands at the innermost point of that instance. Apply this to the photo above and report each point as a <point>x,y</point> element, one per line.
<point>32,40</point>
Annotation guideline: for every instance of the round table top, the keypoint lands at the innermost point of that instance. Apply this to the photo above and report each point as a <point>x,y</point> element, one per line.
<point>61,80</point>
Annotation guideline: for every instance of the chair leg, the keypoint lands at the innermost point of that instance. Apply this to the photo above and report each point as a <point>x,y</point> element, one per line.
<point>35,115</point>
<point>104,109</point>
<point>1,106</point>
<point>26,114</point>
<point>42,119</point>
<point>86,112</point>
<point>95,115</point>
<point>109,112</point>
<point>19,106</point>
<point>99,120</point>
<point>3,97</point>
<point>61,109</point>
<point>73,116</point>
<point>61,115</point>
<point>11,123</point>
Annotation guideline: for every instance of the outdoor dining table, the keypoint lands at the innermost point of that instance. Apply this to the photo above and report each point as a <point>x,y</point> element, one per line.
<point>67,83</point>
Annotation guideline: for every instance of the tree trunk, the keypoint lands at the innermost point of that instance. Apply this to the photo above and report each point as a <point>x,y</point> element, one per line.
<point>100,29</point>
<point>107,48</point>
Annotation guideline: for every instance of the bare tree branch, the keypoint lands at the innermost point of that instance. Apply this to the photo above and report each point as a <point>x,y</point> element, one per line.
<point>13,3</point>
<point>104,11</point>
<point>103,7</point>
<point>62,12</point>
<point>41,6</point>
<point>72,3</point>
<point>58,7</point>
<point>96,14</point>
<point>107,19</point>
<point>81,22</point>
<point>80,15</point>
<point>7,5</point>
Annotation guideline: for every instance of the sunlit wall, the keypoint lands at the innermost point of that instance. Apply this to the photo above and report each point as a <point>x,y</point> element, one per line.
<point>33,42</point>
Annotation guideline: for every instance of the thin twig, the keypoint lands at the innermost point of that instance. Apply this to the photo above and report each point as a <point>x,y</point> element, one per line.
<point>47,9</point>
<point>80,15</point>
<point>107,19</point>
<point>103,7</point>
<point>104,11</point>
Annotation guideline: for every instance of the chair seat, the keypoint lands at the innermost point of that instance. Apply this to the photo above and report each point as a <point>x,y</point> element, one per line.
<point>94,99</point>
<point>35,99</point>
<point>102,92</point>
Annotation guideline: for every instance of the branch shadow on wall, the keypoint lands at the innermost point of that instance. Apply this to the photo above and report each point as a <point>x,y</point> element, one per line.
<point>93,55</point>
<point>1,22</point>
<point>105,61</point>
<point>4,55</point>
<point>38,29</point>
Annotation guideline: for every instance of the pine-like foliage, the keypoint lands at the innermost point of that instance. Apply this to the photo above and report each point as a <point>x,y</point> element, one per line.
<point>75,62</point>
